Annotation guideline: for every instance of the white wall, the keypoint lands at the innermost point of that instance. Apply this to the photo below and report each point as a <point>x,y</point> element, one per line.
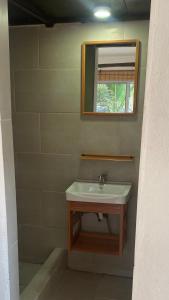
<point>9,288</point>
<point>151,272</point>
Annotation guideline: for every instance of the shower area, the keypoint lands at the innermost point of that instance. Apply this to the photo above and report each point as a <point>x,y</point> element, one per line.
<point>41,172</point>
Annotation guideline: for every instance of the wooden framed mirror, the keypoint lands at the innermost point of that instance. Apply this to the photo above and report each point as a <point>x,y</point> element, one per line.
<point>109,77</point>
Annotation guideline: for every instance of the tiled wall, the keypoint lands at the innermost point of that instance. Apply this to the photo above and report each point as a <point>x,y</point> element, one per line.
<point>49,135</point>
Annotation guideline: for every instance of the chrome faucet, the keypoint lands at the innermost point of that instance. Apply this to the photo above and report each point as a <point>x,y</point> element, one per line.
<point>102,179</point>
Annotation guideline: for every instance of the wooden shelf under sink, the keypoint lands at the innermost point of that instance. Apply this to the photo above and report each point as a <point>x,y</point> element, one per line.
<point>107,157</point>
<point>96,242</point>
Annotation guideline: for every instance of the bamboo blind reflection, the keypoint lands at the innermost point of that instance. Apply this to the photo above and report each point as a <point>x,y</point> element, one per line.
<point>116,75</point>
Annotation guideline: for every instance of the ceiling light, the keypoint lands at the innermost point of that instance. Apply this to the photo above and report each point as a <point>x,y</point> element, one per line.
<point>102,12</point>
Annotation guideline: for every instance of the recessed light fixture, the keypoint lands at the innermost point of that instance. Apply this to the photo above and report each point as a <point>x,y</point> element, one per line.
<point>103,12</point>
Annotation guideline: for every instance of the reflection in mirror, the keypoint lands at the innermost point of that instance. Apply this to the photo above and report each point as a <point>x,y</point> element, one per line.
<point>109,77</point>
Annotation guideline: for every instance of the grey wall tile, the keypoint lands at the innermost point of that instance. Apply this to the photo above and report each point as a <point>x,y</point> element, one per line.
<point>24,47</point>
<point>26,128</point>
<point>108,136</point>
<point>138,30</point>
<point>90,223</point>
<point>57,58</point>
<point>48,172</point>
<point>57,81</point>
<point>29,206</point>
<point>102,32</point>
<point>62,39</point>
<point>36,243</point>
<point>92,169</point>
<point>48,101</point>
<point>54,209</point>
<point>78,33</point>
<point>47,90</point>
<point>60,133</point>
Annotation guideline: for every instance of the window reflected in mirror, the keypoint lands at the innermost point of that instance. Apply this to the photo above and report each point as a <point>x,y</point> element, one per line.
<point>109,77</point>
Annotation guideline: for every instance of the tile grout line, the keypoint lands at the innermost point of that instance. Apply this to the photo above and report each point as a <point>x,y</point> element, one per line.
<point>45,69</point>
<point>69,155</point>
<point>47,113</point>
<point>40,190</point>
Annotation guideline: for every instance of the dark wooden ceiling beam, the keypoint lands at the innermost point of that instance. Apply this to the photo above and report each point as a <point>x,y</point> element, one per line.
<point>33,12</point>
<point>91,19</point>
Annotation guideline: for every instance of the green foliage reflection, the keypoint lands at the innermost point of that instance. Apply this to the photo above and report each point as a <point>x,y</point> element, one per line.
<point>115,97</point>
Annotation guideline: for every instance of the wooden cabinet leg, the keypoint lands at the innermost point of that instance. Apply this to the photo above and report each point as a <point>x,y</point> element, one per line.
<point>121,242</point>
<point>70,227</point>
<point>125,224</point>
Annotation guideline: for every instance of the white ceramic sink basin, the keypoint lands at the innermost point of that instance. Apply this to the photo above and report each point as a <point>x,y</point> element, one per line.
<point>93,192</point>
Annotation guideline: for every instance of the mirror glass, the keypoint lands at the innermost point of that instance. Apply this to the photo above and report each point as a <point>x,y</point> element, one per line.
<point>109,77</point>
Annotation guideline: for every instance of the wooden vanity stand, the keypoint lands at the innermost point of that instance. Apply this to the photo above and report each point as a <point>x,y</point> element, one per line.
<point>107,243</point>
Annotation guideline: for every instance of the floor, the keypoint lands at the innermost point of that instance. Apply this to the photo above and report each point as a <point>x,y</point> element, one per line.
<point>74,285</point>
<point>26,273</point>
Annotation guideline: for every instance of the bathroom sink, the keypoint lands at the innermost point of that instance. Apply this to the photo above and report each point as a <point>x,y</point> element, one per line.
<point>115,193</point>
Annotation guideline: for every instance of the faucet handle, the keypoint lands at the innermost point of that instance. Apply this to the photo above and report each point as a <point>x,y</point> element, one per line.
<point>102,178</point>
